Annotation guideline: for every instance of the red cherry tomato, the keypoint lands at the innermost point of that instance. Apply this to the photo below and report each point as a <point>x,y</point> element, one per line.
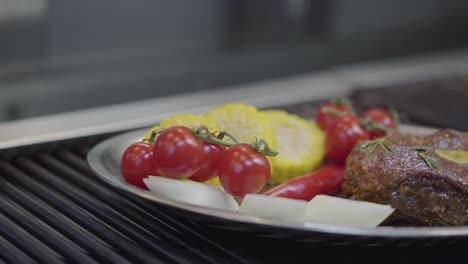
<point>330,113</point>
<point>209,168</point>
<point>177,153</point>
<point>341,137</point>
<point>379,117</point>
<point>243,170</point>
<point>137,163</point>
<point>326,180</point>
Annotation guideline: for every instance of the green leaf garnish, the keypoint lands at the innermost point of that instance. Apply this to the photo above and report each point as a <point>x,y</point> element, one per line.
<point>427,159</point>
<point>373,144</point>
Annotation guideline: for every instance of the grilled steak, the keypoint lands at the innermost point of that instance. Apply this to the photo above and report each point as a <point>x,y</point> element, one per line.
<point>425,178</point>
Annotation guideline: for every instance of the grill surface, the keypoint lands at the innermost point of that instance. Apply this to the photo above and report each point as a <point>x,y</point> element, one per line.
<point>55,210</point>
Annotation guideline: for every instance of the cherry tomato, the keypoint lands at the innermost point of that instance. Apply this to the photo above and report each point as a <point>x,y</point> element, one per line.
<point>243,170</point>
<point>137,163</point>
<point>341,137</point>
<point>177,153</point>
<point>379,117</point>
<point>209,168</point>
<point>330,113</point>
<point>326,180</point>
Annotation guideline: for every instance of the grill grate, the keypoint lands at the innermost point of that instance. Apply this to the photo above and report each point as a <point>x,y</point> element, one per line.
<point>55,210</point>
<point>60,212</point>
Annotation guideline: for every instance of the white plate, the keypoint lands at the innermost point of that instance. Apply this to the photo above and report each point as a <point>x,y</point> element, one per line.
<point>104,160</point>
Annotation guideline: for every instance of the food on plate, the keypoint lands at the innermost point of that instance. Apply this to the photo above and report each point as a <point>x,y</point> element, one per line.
<point>214,181</point>
<point>178,153</point>
<point>187,120</point>
<point>274,208</point>
<point>300,144</point>
<point>345,212</point>
<point>322,209</point>
<point>414,175</point>
<point>209,167</point>
<point>243,170</point>
<point>191,192</point>
<point>326,180</point>
<point>207,172</point>
<point>137,163</point>
<point>344,128</point>
<point>457,156</point>
<point>382,120</point>
<point>244,122</point>
<point>341,137</point>
<point>281,166</point>
<point>200,153</point>
<point>331,112</point>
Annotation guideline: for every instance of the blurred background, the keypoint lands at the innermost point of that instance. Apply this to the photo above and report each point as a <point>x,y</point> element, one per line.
<point>58,56</point>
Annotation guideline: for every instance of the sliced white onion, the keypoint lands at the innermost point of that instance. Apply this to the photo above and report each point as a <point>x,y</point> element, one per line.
<point>274,208</point>
<point>331,210</point>
<point>191,192</point>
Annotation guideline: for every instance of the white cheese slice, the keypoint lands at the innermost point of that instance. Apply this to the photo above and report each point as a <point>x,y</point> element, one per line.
<point>274,208</point>
<point>331,210</point>
<point>191,192</point>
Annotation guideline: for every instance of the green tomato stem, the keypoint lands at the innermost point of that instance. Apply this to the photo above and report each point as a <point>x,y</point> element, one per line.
<point>222,134</point>
<point>262,147</point>
<point>154,133</point>
<point>204,134</point>
<point>369,125</point>
<point>329,110</point>
<point>396,116</point>
<point>343,101</point>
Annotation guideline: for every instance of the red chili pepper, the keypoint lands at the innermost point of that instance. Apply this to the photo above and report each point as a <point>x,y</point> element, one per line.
<point>326,180</point>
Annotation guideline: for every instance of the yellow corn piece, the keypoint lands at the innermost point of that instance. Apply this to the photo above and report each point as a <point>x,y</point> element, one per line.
<point>300,145</point>
<point>244,122</point>
<point>187,120</point>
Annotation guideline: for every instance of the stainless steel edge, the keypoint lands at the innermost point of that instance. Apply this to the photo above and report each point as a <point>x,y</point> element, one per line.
<point>334,82</point>
<point>405,69</point>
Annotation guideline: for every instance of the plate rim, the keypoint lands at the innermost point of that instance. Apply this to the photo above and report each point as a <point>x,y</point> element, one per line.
<point>382,232</point>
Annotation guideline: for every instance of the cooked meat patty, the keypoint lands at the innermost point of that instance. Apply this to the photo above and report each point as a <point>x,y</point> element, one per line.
<point>425,178</point>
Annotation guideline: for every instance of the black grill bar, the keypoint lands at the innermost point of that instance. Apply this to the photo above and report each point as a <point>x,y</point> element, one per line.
<point>79,215</point>
<point>64,194</point>
<point>97,248</point>
<point>71,251</point>
<point>12,253</point>
<point>133,205</point>
<point>27,242</point>
<point>109,213</point>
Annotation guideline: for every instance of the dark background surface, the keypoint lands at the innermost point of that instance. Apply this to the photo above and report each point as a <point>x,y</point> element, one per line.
<point>106,52</point>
